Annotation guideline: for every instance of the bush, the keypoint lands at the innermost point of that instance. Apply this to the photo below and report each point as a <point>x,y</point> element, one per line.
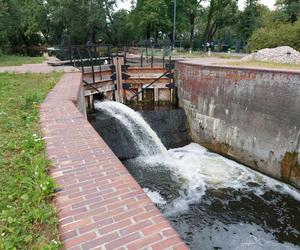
<point>286,34</point>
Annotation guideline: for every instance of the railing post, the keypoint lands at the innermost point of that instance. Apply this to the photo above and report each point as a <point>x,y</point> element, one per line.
<point>152,57</point>
<point>125,53</point>
<point>79,54</point>
<point>118,61</point>
<point>109,54</point>
<point>147,60</point>
<point>142,58</point>
<point>92,62</point>
<point>70,54</point>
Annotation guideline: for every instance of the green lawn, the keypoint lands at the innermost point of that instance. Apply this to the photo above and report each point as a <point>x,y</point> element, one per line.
<point>27,215</point>
<point>258,64</point>
<point>16,60</point>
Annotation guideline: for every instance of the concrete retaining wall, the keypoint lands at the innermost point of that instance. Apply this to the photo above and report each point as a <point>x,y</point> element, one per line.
<point>170,126</point>
<point>250,115</point>
<point>99,204</point>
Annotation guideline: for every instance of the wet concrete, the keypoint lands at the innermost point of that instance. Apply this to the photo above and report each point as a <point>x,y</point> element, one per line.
<point>169,124</point>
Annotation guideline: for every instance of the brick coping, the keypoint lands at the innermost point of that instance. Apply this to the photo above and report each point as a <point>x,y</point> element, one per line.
<point>100,205</point>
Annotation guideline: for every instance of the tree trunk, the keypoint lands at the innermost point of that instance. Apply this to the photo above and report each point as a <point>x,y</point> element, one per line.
<point>192,30</point>
<point>208,24</point>
<point>212,31</point>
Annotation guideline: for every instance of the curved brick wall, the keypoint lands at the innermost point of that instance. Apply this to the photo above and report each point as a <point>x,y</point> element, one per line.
<point>251,115</point>
<point>100,205</point>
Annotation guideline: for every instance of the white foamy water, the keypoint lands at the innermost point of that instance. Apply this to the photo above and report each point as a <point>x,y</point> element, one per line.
<point>143,135</point>
<point>194,170</point>
<point>155,196</point>
<point>199,169</point>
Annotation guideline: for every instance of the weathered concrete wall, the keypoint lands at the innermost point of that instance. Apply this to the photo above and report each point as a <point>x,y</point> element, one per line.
<point>250,115</point>
<point>80,103</point>
<point>170,126</point>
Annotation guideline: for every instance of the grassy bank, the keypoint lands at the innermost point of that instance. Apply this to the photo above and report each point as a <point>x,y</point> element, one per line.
<point>27,215</point>
<point>258,64</point>
<point>17,60</point>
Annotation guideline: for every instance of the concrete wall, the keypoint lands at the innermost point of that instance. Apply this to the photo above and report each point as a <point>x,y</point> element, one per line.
<point>80,103</point>
<point>170,126</point>
<point>250,115</point>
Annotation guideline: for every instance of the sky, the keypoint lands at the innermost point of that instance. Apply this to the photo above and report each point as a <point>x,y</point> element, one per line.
<point>125,4</point>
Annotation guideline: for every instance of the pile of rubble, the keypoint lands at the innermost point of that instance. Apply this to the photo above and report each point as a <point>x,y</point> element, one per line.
<point>283,54</point>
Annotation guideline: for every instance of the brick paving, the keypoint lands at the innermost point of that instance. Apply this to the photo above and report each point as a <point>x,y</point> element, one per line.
<point>99,204</point>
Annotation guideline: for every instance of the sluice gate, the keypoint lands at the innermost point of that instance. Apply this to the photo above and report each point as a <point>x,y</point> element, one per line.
<point>116,74</point>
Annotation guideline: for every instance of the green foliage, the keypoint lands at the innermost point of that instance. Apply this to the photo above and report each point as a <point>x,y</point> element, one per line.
<point>27,217</point>
<point>151,17</point>
<point>276,35</point>
<point>251,18</point>
<point>27,23</point>
<point>290,9</point>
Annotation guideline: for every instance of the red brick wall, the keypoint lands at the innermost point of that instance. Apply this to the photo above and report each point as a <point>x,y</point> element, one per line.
<point>100,205</point>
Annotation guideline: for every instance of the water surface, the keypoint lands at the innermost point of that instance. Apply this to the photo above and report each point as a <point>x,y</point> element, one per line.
<point>216,203</point>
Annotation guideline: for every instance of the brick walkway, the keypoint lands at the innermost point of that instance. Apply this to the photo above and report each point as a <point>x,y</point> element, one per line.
<point>100,205</point>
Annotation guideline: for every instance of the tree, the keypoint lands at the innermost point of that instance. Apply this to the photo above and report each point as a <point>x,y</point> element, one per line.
<point>251,18</point>
<point>215,14</point>
<point>151,18</point>
<point>276,35</point>
<point>290,8</point>
<point>192,10</point>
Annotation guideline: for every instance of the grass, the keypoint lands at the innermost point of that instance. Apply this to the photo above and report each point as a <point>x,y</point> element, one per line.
<point>179,53</point>
<point>27,215</point>
<point>258,64</point>
<point>17,60</point>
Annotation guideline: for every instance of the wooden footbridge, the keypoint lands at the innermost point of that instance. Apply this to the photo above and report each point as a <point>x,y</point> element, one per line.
<point>122,76</point>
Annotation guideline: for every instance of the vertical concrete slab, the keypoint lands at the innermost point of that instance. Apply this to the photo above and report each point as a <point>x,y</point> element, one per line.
<point>250,115</point>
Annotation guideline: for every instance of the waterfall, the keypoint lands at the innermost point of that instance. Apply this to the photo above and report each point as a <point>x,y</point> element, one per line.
<point>143,135</point>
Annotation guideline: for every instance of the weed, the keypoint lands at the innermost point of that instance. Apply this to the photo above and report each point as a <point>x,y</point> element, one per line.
<point>27,215</point>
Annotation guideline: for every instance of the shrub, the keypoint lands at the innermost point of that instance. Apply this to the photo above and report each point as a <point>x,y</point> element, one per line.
<point>286,34</point>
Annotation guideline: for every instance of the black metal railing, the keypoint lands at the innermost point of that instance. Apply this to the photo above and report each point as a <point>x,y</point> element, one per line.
<point>91,59</point>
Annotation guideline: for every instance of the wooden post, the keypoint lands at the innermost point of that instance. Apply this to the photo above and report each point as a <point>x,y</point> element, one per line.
<point>118,61</point>
<point>156,95</point>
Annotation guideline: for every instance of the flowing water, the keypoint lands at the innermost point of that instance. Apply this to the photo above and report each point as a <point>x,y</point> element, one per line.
<point>146,139</point>
<point>213,202</point>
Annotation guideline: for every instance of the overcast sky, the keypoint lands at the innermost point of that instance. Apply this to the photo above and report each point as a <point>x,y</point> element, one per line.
<point>125,4</point>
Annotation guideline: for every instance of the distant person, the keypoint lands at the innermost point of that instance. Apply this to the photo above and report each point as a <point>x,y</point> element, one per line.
<point>207,46</point>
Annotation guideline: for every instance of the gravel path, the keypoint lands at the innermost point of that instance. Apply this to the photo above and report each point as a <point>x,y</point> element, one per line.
<point>37,68</point>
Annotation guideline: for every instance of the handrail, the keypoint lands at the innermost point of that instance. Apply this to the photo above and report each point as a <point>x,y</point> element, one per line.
<point>92,86</point>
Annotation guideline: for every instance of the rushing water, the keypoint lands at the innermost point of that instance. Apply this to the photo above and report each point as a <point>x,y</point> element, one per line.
<point>213,202</point>
<point>146,139</point>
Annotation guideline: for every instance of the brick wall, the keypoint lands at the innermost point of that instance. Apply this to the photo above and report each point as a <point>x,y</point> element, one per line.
<point>100,205</point>
<point>250,115</point>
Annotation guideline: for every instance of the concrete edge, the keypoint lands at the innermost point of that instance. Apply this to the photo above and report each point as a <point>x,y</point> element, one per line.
<point>222,67</point>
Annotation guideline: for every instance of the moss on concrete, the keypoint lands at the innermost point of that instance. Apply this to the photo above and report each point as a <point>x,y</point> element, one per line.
<point>290,166</point>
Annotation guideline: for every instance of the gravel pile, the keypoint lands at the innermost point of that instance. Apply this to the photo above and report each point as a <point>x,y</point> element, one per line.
<point>283,54</point>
